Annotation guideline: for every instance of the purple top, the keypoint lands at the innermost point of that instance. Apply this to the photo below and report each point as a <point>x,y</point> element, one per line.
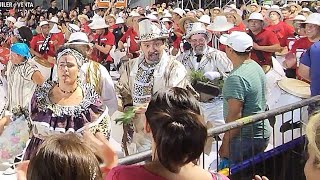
<point>138,172</point>
<point>49,118</point>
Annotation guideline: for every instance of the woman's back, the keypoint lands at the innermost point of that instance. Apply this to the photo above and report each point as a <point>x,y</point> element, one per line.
<point>141,172</point>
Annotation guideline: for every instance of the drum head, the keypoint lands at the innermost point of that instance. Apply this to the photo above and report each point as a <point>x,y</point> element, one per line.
<point>295,87</point>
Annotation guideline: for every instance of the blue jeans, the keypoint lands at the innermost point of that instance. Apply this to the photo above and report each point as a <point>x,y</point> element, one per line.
<point>245,148</point>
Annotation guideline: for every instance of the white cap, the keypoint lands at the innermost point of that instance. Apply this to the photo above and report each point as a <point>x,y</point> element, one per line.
<point>299,18</point>
<point>238,41</point>
<point>11,19</point>
<point>119,20</point>
<point>42,23</point>
<point>205,19</point>
<point>78,38</point>
<point>179,11</point>
<point>313,18</point>
<point>256,16</point>
<point>306,10</point>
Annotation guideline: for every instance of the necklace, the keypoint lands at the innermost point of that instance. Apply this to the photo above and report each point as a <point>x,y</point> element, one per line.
<point>67,92</point>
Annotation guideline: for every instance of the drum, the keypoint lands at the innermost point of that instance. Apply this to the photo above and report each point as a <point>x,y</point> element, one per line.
<point>287,126</point>
<point>273,76</point>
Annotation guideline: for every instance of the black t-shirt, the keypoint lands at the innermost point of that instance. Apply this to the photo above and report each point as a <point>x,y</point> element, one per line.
<point>53,11</point>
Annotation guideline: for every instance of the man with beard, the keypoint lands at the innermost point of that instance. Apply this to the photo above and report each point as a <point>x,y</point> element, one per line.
<point>152,71</point>
<point>210,61</point>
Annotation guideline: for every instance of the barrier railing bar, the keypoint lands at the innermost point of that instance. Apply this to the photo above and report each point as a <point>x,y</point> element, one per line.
<point>142,156</point>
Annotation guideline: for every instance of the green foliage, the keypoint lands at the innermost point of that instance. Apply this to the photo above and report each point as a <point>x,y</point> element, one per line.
<point>127,116</point>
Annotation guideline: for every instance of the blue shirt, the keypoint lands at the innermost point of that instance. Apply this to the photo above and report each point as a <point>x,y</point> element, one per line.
<point>311,58</point>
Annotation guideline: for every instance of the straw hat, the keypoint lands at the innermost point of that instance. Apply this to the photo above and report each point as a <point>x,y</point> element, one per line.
<point>119,20</point>
<point>98,23</point>
<point>275,10</point>
<point>148,31</point>
<point>11,19</point>
<point>205,19</point>
<point>166,20</point>
<point>217,8</point>
<point>256,16</point>
<point>179,11</point>
<point>83,16</point>
<point>197,28</point>
<point>253,4</point>
<point>42,23</point>
<point>299,8</point>
<point>78,38</point>
<point>236,16</point>
<point>54,19</point>
<point>182,20</point>
<point>313,18</point>
<point>299,18</point>
<point>233,7</point>
<point>220,24</point>
<point>265,7</point>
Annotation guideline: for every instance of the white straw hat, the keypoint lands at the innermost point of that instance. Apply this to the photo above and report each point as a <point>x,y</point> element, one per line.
<point>197,28</point>
<point>313,18</point>
<point>42,23</point>
<point>205,19</point>
<point>98,23</point>
<point>220,24</point>
<point>148,31</point>
<point>256,16</point>
<point>78,38</point>
<point>179,11</point>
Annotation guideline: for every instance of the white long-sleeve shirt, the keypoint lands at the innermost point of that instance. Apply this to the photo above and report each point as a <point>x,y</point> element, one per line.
<point>107,91</point>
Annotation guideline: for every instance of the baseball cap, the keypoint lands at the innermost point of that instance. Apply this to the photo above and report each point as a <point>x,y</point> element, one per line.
<point>238,41</point>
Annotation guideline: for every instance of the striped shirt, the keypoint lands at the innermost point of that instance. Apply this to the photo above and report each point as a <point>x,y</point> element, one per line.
<point>20,85</point>
<point>247,83</point>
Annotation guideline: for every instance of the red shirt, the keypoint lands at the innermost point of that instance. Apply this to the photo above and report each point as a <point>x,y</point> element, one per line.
<point>134,48</point>
<point>283,32</point>
<point>241,27</point>
<point>178,32</point>
<point>37,42</point>
<point>85,28</point>
<point>265,38</point>
<point>105,39</point>
<point>60,38</point>
<point>298,48</point>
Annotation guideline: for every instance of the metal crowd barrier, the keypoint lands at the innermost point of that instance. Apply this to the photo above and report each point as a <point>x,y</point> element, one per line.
<point>285,146</point>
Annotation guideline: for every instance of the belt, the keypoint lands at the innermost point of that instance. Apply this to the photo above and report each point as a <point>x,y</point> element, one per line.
<point>43,62</point>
